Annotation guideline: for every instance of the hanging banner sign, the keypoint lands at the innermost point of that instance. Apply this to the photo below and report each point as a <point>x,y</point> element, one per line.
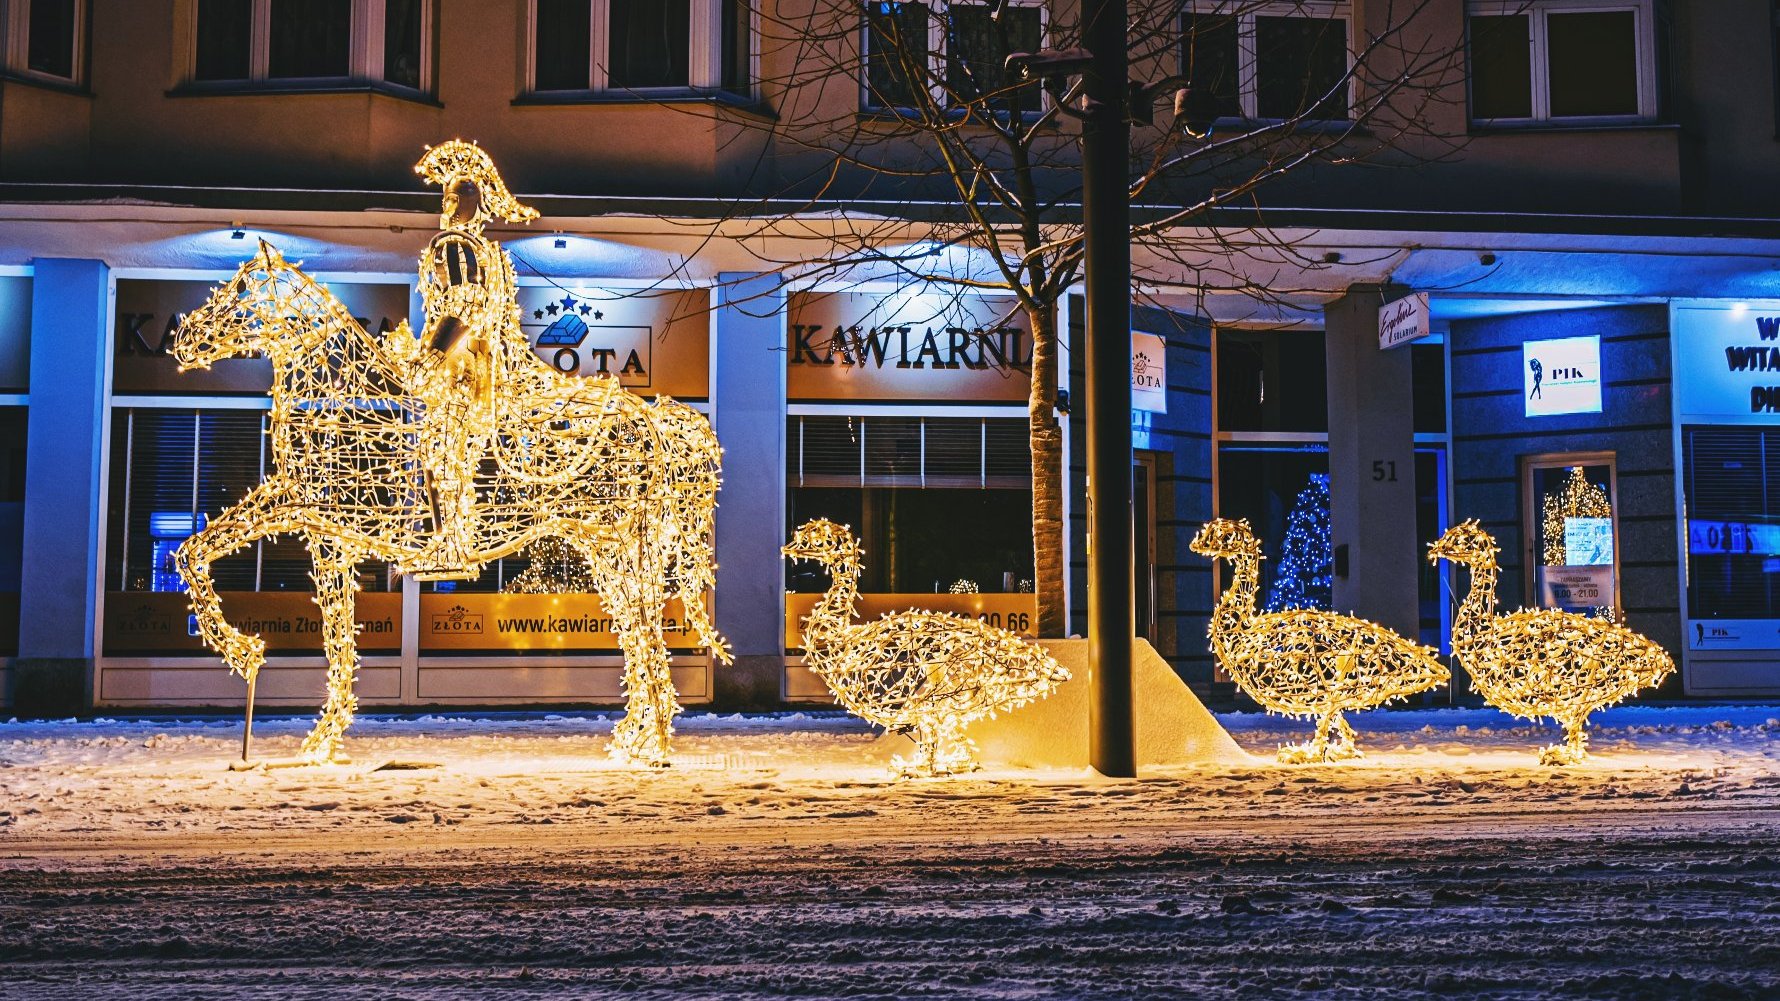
<point>930,346</point>
<point>1728,364</point>
<point>1734,634</point>
<point>149,312</point>
<point>654,341</point>
<point>15,333</point>
<point>1562,376</point>
<point>1732,538</point>
<point>1149,373</point>
<point>1576,588</point>
<point>1017,613</point>
<point>1403,321</point>
<point>565,623</point>
<point>160,622</point>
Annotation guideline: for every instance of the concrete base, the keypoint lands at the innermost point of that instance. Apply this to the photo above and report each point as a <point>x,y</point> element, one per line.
<point>751,683</point>
<point>1173,727</point>
<point>50,686</point>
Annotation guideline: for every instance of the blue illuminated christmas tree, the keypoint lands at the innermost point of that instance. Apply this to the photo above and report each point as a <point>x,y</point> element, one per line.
<point>1306,573</point>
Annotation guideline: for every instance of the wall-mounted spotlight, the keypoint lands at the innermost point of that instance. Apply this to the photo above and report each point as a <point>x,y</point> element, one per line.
<point>1486,259</point>
<point>239,234</point>
<point>562,244</point>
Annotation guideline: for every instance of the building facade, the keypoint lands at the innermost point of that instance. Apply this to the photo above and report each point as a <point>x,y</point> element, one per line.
<point>1584,257</point>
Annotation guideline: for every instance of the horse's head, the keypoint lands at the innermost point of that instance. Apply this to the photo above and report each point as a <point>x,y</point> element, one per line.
<point>228,324</point>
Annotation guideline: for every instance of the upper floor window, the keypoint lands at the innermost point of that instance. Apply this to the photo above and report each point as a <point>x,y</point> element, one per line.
<point>951,53</point>
<point>1555,60</point>
<point>642,45</point>
<point>44,38</point>
<point>1266,60</point>
<point>327,41</point>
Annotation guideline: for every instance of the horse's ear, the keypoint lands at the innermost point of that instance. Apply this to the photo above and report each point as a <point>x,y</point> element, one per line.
<point>270,254</point>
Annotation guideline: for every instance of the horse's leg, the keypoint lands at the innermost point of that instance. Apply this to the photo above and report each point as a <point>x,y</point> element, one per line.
<point>335,586</point>
<point>230,531</point>
<point>634,599</point>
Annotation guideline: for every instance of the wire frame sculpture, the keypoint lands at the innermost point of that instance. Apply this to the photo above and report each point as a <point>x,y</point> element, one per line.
<point>924,674</point>
<point>443,452</point>
<point>1306,663</point>
<point>1543,662</point>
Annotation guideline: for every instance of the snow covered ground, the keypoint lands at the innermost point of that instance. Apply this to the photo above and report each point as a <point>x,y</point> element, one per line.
<point>468,856</point>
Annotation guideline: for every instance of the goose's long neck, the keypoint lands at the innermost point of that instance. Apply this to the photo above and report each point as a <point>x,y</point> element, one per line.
<point>1236,606</point>
<point>1479,605</point>
<point>834,613</point>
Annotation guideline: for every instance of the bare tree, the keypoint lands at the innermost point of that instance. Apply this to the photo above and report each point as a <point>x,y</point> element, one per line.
<point>912,106</point>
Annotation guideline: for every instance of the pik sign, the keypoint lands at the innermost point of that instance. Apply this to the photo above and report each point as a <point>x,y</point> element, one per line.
<point>930,346</point>
<point>1561,376</point>
<point>1727,364</point>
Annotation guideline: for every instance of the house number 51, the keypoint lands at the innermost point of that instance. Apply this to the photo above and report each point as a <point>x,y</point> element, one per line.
<point>1384,471</point>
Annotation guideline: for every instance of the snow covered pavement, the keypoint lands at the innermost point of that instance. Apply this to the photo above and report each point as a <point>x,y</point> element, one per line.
<point>463,857</point>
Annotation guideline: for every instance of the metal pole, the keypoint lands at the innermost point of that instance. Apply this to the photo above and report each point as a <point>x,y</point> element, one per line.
<point>1106,223</point>
<point>247,719</point>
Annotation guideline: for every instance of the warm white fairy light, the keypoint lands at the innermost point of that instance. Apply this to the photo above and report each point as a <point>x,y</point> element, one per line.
<point>1302,662</point>
<point>556,568</point>
<point>1543,661</point>
<point>924,674</point>
<point>964,586</point>
<point>442,453</point>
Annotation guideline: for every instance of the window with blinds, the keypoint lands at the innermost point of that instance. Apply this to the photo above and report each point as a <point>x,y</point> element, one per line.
<point>1732,485</point>
<point>931,452</point>
<point>172,472</point>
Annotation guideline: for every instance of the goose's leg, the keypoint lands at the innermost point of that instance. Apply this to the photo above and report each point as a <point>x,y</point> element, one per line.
<point>925,762</point>
<point>1346,742</point>
<point>1314,750</point>
<point>953,752</point>
<point>1574,749</point>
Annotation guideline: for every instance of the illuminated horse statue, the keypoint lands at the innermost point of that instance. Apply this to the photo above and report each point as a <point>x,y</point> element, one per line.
<point>441,454</point>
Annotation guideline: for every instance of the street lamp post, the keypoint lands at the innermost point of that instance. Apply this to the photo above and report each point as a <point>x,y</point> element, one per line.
<point>1106,224</point>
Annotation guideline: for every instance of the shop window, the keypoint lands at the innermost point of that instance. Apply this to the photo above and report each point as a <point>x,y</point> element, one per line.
<point>1283,491</point>
<point>949,54</point>
<point>1272,381</point>
<point>45,38</point>
<point>292,42</point>
<point>922,541</point>
<point>12,523</point>
<point>837,450</point>
<point>1732,481</point>
<point>1571,525</point>
<point>1266,61</point>
<point>620,46</point>
<point>172,472</point>
<point>1555,60</point>
<point>1427,360</point>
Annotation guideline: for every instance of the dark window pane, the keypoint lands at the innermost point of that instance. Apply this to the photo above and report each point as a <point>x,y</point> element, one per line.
<point>401,42</point>
<point>1428,362</point>
<point>649,43</point>
<point>310,38</point>
<point>1283,492</point>
<point>1297,61</point>
<point>51,42</point>
<point>224,39</point>
<point>1270,381</point>
<point>562,45</point>
<point>896,52</point>
<point>1501,67</point>
<point>977,47</point>
<point>1209,62</point>
<point>738,47</point>
<point>1593,61</point>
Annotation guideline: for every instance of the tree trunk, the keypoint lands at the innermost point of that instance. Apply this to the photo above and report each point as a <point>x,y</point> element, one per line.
<point>1048,481</point>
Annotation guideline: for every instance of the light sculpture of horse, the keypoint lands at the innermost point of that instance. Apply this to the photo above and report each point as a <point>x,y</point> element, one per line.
<point>444,452</point>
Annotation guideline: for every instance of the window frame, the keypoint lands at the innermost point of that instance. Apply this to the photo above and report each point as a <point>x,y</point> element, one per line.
<point>365,59</point>
<point>704,63</point>
<point>18,45</point>
<point>938,14</point>
<point>1247,58</point>
<point>1644,22</point>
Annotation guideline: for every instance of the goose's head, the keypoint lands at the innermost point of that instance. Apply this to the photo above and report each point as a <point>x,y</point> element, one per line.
<point>824,542</point>
<point>1222,538</point>
<point>1466,543</point>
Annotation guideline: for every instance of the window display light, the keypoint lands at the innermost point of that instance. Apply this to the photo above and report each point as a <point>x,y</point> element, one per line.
<point>1543,661</point>
<point>924,674</point>
<point>1302,662</point>
<point>443,452</point>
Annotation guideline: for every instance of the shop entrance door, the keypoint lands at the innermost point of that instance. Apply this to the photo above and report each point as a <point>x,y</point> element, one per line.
<point>1143,544</point>
<point>1570,521</point>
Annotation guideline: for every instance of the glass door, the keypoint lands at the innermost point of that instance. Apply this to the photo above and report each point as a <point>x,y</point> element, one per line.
<point>1570,523</point>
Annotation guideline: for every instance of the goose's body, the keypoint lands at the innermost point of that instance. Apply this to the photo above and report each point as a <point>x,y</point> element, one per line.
<point>924,674</point>
<point>1304,662</point>
<point>1543,661</point>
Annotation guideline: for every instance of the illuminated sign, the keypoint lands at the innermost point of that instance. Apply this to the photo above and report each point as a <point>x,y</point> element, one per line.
<point>162,623</point>
<point>1727,363</point>
<point>928,346</point>
<point>1149,373</point>
<point>653,340</point>
<point>1562,376</point>
<point>1732,538</point>
<point>1577,588</point>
